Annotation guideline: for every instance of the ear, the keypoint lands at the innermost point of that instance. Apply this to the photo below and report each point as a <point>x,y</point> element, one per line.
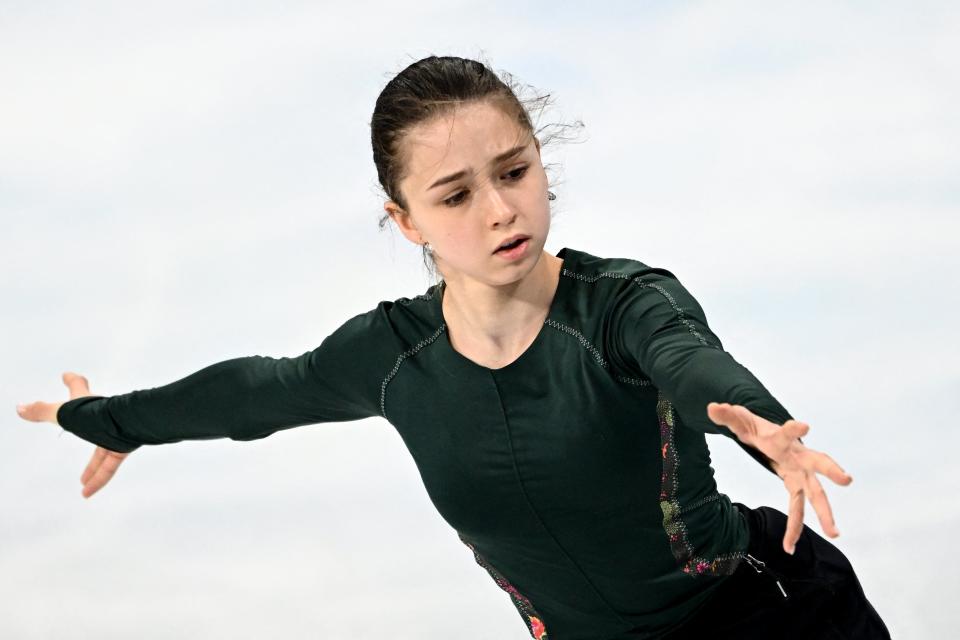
<point>404,221</point>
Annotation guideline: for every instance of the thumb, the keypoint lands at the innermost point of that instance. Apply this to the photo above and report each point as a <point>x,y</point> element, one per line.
<point>738,420</point>
<point>77,384</point>
<point>724,414</point>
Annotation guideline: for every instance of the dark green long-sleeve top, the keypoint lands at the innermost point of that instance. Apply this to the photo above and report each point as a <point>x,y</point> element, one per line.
<point>578,475</point>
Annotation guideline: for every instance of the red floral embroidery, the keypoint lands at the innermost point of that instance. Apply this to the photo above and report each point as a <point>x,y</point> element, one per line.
<point>539,631</point>
<point>530,615</point>
<point>673,524</point>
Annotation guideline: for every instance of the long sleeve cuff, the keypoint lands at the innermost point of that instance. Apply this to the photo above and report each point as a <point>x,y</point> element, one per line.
<point>89,418</point>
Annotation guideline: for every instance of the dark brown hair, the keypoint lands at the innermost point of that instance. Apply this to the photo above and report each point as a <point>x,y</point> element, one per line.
<point>433,87</point>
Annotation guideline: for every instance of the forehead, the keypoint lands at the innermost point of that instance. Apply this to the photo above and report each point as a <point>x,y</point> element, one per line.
<point>469,137</point>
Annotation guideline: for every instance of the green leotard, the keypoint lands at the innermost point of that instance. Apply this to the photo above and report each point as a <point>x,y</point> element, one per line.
<point>578,475</point>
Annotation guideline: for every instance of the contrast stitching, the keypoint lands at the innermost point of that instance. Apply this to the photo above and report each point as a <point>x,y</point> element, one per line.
<point>673,524</point>
<point>530,615</point>
<point>673,303</point>
<point>396,367</point>
<point>423,296</point>
<point>699,503</point>
<point>639,382</point>
<point>586,344</point>
<point>639,281</point>
<point>592,279</point>
<point>579,336</point>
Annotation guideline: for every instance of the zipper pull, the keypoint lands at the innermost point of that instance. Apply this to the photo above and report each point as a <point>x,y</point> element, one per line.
<point>751,560</point>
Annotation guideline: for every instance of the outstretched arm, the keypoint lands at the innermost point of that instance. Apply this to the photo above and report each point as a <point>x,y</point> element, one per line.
<point>242,398</point>
<point>658,329</point>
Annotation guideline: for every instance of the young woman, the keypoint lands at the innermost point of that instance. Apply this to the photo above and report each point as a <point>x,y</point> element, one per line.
<point>556,405</point>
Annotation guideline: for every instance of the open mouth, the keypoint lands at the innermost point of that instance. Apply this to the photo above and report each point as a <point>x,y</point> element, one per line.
<point>512,245</point>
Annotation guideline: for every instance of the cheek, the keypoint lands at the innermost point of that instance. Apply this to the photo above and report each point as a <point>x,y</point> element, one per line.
<point>538,175</point>
<point>458,239</point>
<point>535,201</point>
<point>538,186</point>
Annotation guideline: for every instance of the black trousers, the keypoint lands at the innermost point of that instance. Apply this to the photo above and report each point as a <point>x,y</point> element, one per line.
<point>812,595</point>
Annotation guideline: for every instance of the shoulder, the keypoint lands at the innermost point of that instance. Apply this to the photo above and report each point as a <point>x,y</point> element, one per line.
<point>392,326</point>
<point>626,294</point>
<point>603,278</point>
<point>354,362</point>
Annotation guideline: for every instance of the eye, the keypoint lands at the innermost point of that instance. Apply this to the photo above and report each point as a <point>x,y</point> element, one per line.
<point>517,173</point>
<point>455,199</point>
<point>514,176</point>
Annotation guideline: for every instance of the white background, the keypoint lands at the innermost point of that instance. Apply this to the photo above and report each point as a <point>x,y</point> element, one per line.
<point>187,182</point>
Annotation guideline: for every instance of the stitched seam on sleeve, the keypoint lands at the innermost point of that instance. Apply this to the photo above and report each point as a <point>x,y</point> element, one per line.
<point>639,281</point>
<point>673,523</point>
<point>616,275</point>
<point>673,303</point>
<point>396,367</point>
<point>597,356</point>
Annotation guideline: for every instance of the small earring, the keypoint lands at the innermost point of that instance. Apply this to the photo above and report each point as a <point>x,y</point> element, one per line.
<point>426,245</point>
<point>551,195</point>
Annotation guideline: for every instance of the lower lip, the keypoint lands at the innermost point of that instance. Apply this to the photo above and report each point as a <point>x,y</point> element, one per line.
<point>516,252</point>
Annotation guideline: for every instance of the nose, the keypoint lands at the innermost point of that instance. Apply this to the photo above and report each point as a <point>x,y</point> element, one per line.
<point>499,209</point>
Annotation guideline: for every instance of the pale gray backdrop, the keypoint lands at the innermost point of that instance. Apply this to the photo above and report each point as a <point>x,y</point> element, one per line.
<point>187,182</point>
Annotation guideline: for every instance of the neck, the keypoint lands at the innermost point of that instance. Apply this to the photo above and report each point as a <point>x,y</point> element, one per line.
<point>501,319</point>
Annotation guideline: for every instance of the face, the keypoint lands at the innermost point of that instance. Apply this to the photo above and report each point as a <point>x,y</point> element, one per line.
<point>465,198</point>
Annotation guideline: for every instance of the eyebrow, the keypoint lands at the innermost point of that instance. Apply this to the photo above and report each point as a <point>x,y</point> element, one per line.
<point>506,155</point>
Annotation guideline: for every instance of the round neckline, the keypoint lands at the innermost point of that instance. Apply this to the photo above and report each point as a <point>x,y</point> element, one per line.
<point>525,354</point>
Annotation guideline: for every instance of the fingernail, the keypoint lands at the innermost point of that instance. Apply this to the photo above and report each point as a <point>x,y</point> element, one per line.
<point>792,549</point>
<point>21,407</point>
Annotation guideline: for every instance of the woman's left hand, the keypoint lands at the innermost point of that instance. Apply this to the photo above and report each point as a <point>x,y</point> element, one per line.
<point>797,465</point>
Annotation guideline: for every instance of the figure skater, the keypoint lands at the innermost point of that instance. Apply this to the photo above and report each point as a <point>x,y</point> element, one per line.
<point>556,406</point>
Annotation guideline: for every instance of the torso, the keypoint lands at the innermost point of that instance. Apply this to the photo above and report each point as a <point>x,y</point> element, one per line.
<point>558,463</point>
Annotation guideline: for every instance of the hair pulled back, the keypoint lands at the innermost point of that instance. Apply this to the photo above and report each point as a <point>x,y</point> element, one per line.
<point>433,87</point>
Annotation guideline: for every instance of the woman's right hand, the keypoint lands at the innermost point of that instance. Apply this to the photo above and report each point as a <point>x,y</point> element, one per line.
<point>104,463</point>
